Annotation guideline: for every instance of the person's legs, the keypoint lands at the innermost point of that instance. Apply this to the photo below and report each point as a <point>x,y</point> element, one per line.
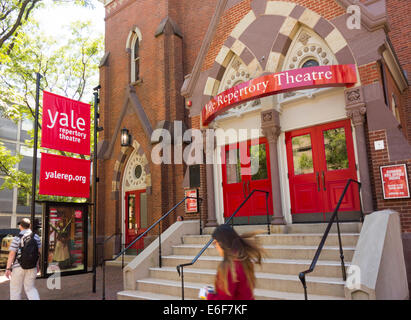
<point>29,284</point>
<point>16,283</point>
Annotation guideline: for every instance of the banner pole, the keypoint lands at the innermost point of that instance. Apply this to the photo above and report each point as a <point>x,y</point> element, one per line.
<point>95,180</point>
<point>34,171</point>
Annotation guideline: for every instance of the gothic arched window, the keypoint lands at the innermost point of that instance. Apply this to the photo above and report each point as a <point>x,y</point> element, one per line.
<point>135,59</point>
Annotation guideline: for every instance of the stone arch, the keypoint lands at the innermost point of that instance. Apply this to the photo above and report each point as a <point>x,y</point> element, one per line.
<point>120,166</point>
<point>297,17</point>
<point>293,17</point>
<point>134,32</point>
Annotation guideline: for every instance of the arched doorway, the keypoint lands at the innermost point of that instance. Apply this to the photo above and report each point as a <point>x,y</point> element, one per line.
<point>136,181</point>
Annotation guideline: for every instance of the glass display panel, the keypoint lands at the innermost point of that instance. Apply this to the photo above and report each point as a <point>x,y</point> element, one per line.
<point>335,149</point>
<point>302,154</point>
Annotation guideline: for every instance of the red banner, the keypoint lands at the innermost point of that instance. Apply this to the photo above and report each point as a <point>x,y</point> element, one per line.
<point>395,181</point>
<point>66,124</point>
<point>298,79</point>
<point>64,176</point>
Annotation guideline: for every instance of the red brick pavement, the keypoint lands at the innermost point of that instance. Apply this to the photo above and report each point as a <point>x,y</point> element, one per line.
<point>77,287</point>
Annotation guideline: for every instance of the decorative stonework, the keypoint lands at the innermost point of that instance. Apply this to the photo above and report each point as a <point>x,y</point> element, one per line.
<point>355,105</point>
<point>308,46</point>
<point>236,73</point>
<point>304,37</point>
<point>354,96</point>
<point>270,125</point>
<point>137,174</point>
<point>357,115</point>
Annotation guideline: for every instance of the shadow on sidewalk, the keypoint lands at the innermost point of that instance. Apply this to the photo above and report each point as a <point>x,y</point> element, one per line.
<point>77,287</point>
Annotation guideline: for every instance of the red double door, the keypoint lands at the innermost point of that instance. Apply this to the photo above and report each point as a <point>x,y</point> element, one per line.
<point>246,167</point>
<point>320,161</point>
<point>135,219</point>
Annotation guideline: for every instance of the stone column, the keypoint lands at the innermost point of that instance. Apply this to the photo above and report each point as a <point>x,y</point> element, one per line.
<point>209,143</point>
<point>270,125</point>
<point>356,111</point>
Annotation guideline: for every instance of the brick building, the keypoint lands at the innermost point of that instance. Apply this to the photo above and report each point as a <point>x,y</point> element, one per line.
<point>165,60</point>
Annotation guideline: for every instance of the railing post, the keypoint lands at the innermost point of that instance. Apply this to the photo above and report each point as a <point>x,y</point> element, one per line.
<point>182,283</point>
<point>159,245</point>
<point>199,212</point>
<point>301,276</point>
<point>104,280</point>
<point>122,257</point>
<point>359,196</point>
<point>341,249</point>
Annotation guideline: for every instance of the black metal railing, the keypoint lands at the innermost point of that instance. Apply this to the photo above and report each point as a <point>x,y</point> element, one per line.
<point>180,267</point>
<point>140,236</point>
<point>334,216</point>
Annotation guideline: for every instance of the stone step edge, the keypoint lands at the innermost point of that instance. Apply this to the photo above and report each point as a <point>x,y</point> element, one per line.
<point>285,247</point>
<point>257,292</point>
<point>283,235</point>
<point>148,295</point>
<point>331,263</point>
<point>261,275</point>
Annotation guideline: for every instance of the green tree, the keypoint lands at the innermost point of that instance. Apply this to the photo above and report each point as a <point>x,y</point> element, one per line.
<point>69,67</point>
<point>15,14</point>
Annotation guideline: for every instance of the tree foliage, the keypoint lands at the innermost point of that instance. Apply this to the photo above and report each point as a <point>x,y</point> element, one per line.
<point>13,15</point>
<point>69,67</point>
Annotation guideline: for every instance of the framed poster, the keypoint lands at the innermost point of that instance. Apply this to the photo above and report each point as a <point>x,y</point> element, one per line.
<point>65,238</point>
<point>394,180</point>
<point>191,205</point>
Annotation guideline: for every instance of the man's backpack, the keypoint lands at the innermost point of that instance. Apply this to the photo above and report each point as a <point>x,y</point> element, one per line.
<point>29,252</point>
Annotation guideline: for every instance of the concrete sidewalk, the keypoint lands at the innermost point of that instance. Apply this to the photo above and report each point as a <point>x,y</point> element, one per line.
<point>78,287</point>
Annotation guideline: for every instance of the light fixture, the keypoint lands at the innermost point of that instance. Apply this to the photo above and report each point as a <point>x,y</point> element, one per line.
<point>125,138</point>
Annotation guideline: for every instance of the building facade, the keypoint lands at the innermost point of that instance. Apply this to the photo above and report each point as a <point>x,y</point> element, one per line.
<point>14,204</point>
<point>166,60</point>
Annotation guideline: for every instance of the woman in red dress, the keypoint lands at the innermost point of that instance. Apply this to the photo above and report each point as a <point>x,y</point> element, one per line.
<point>235,279</point>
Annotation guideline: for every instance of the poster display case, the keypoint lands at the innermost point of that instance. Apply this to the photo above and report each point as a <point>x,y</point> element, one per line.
<point>65,237</point>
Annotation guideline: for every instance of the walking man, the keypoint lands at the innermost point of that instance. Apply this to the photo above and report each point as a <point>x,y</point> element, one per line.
<point>20,269</point>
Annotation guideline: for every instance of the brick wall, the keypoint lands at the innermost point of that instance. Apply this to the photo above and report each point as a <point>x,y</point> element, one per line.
<point>164,60</point>
<point>399,12</point>
<point>369,73</point>
<point>379,158</point>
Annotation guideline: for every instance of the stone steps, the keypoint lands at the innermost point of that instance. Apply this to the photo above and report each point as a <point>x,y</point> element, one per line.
<point>276,252</point>
<point>118,262</point>
<point>303,239</point>
<point>267,281</point>
<point>289,250</point>
<point>282,266</point>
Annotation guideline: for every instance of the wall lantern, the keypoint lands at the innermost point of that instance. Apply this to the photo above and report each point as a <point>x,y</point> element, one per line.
<point>125,138</point>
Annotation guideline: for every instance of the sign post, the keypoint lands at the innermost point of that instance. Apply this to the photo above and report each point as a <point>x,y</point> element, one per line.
<point>36,133</point>
<point>65,127</point>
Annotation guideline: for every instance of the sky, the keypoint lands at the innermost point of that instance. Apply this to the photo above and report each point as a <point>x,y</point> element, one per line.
<point>53,18</point>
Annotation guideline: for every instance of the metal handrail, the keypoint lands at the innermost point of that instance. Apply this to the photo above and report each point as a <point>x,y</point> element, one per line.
<point>301,275</point>
<point>180,267</point>
<point>121,253</point>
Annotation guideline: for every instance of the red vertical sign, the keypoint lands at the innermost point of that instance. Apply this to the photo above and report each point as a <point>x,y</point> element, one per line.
<point>66,124</point>
<point>64,176</point>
